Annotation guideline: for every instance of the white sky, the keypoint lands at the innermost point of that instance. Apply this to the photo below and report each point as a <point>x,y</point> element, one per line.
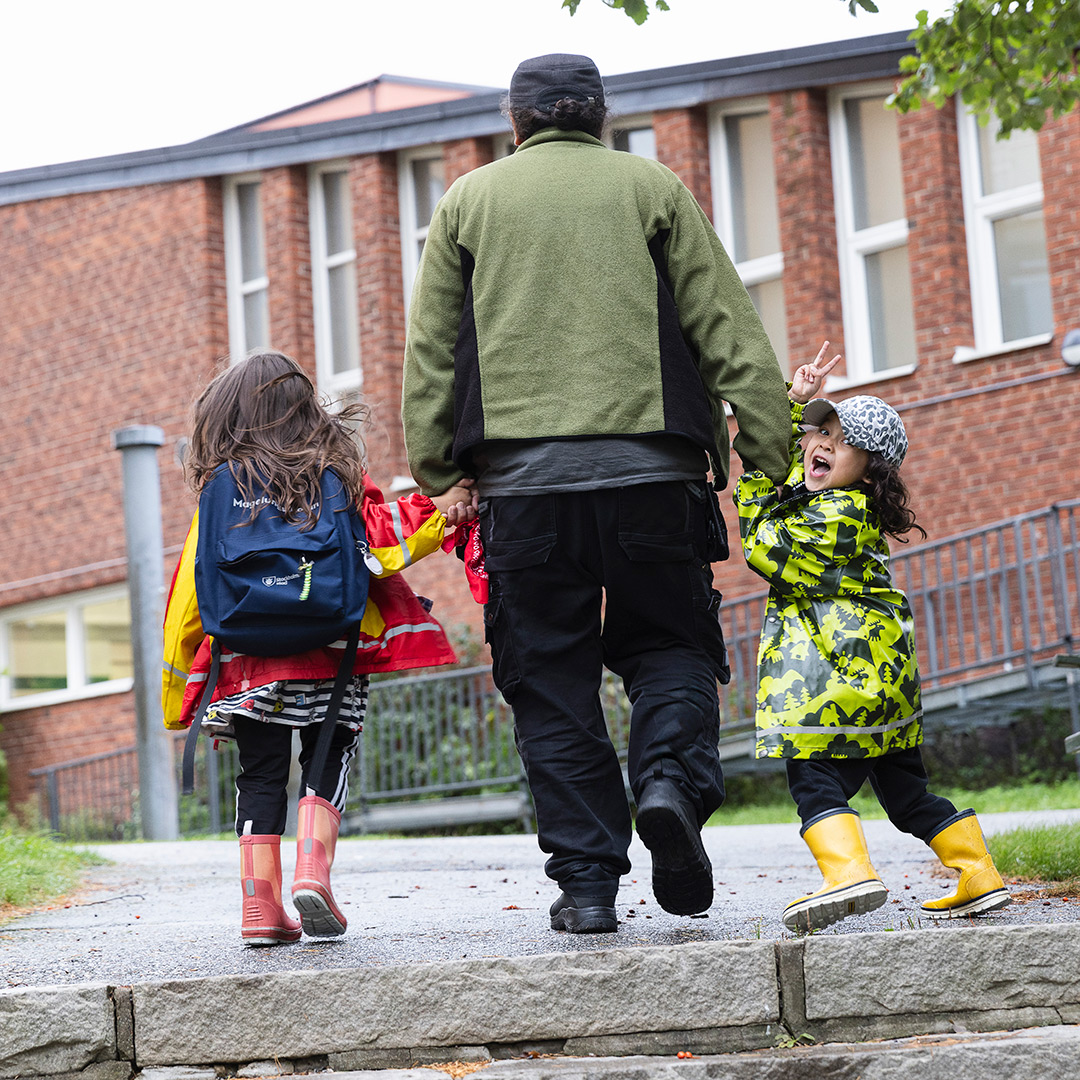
<point>86,78</point>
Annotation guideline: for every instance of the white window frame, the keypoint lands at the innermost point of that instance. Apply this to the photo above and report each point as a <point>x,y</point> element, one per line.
<point>412,232</point>
<point>981,212</point>
<point>630,123</point>
<point>321,264</point>
<point>765,268</point>
<point>237,289</point>
<point>854,245</point>
<point>77,687</point>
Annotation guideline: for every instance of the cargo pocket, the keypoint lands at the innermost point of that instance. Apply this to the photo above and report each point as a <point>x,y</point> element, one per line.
<point>710,633</point>
<point>655,522</point>
<point>518,532</point>
<point>505,673</point>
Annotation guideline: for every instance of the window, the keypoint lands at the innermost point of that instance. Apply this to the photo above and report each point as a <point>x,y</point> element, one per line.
<point>1010,278</point>
<point>60,650</point>
<point>871,224</point>
<point>421,184</point>
<point>245,266</point>
<point>745,211</point>
<point>634,137</point>
<point>333,278</point>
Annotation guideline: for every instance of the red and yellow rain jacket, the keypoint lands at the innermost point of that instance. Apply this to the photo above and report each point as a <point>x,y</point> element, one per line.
<point>396,633</point>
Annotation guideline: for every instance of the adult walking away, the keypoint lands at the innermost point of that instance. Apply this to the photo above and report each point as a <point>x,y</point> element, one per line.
<point>575,329</point>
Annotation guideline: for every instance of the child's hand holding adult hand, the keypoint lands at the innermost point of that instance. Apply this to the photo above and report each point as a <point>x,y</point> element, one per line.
<point>458,503</point>
<point>808,378</point>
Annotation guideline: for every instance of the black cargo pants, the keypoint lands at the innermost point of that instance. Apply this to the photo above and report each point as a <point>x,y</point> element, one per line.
<point>615,577</point>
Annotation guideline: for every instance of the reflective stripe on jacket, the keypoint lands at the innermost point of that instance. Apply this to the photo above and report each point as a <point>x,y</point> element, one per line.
<point>397,631</point>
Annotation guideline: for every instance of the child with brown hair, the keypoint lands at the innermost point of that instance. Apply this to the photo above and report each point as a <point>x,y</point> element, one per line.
<point>263,420</point>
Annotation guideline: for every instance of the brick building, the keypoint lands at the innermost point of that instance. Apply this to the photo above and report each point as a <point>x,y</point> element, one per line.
<point>944,264</point>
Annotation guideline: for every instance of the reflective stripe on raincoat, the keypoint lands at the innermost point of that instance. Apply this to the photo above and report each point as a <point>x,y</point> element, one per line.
<point>837,672</point>
<point>396,633</point>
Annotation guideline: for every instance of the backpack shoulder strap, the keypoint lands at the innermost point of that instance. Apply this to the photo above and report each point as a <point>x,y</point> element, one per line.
<point>188,771</point>
<point>333,709</point>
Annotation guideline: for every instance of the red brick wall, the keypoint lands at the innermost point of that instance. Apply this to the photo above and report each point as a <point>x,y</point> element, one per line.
<point>1059,147</point>
<point>803,164</point>
<point>77,729</point>
<point>114,313</point>
<point>374,183</point>
<point>113,308</point>
<point>682,144</point>
<point>464,155</point>
<point>288,259</point>
<point>937,247</point>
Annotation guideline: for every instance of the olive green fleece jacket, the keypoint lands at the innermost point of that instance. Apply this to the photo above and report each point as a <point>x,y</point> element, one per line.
<point>572,290</point>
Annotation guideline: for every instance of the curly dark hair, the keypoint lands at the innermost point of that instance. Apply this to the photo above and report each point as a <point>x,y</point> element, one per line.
<point>264,418</point>
<point>889,496</point>
<point>567,114</point>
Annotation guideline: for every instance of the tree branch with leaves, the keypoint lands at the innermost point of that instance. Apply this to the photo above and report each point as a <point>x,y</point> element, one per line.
<point>1012,58</point>
<point>1016,59</point>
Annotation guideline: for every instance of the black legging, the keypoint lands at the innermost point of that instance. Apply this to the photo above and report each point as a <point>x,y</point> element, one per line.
<point>821,786</point>
<point>265,758</point>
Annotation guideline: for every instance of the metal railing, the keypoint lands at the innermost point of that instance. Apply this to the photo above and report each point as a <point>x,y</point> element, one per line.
<point>994,603</point>
<point>97,797</point>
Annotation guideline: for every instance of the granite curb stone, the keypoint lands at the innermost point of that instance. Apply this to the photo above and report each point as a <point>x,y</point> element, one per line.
<point>56,1029</point>
<point>554,996</point>
<point>636,1005</point>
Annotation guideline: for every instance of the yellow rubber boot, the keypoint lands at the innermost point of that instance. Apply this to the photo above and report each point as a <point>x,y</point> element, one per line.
<point>852,886</point>
<point>961,846</point>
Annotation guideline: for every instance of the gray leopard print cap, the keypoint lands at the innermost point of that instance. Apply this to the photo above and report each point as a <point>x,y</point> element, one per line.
<point>867,422</point>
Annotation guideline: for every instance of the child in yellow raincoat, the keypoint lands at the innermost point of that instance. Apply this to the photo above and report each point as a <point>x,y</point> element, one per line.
<point>838,682</point>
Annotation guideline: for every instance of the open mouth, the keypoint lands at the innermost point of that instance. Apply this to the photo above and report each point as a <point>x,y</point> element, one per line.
<point>819,466</point>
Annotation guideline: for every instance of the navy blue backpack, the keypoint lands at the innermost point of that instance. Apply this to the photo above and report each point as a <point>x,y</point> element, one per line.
<point>266,587</point>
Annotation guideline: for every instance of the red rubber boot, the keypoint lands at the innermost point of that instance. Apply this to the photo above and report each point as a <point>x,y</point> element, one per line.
<point>316,838</point>
<point>265,921</point>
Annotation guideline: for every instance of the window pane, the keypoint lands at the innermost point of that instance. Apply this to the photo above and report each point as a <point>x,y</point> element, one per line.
<point>342,318</point>
<point>1023,276</point>
<point>107,638</point>
<point>756,227</point>
<point>252,258</point>
<point>256,320</point>
<point>892,324</point>
<point>768,298</point>
<point>38,654</point>
<point>336,206</point>
<point>429,187</point>
<point>640,141</point>
<point>1007,163</point>
<point>874,148</point>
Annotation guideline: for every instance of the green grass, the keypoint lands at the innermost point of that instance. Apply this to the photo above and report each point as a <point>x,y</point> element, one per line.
<point>1048,853</point>
<point>1065,795</point>
<point>34,869</point>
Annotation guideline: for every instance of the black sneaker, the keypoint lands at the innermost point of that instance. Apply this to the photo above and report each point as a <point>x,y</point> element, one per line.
<point>681,872</point>
<point>584,914</point>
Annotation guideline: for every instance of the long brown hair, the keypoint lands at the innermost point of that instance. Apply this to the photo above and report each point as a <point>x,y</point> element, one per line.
<point>264,419</point>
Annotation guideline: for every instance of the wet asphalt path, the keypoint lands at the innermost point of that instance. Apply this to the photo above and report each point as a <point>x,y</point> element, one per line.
<point>160,911</point>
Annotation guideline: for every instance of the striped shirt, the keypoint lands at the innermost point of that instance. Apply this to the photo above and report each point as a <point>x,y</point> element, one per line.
<point>295,702</point>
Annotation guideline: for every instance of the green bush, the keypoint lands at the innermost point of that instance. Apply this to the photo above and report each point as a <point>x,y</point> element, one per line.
<point>1028,749</point>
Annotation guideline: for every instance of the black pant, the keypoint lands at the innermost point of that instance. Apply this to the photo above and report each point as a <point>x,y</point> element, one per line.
<point>555,562</point>
<point>821,786</point>
<point>265,758</point>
